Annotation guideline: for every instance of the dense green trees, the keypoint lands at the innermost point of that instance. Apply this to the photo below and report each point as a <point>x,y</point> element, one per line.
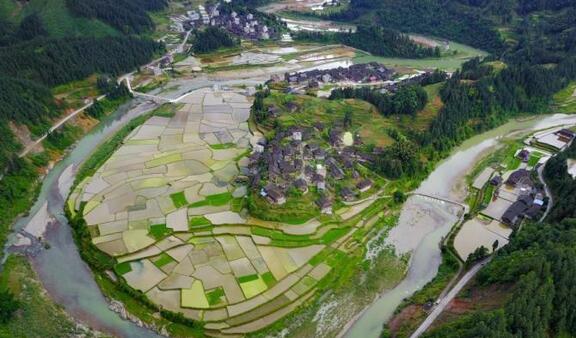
<point>562,185</point>
<point>490,99</point>
<point>57,61</point>
<point>408,100</point>
<point>8,305</point>
<point>212,38</point>
<point>128,16</point>
<point>540,264</point>
<point>373,39</point>
<point>447,19</point>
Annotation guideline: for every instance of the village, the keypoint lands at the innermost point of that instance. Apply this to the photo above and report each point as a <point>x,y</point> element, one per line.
<point>358,73</point>
<point>298,160</point>
<point>509,192</point>
<point>244,25</point>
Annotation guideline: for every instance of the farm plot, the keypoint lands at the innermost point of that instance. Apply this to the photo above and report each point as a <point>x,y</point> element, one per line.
<point>166,206</point>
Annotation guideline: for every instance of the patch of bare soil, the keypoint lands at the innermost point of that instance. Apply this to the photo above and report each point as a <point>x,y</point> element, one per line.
<point>410,316</point>
<point>24,136</point>
<point>474,298</point>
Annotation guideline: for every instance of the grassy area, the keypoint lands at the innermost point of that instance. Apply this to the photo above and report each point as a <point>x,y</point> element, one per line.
<point>122,268</point>
<point>198,222</point>
<point>487,194</point>
<point>162,260</point>
<point>75,93</point>
<point>534,158</point>
<point>294,211</point>
<point>366,121</point>
<point>222,146</point>
<point>159,231</point>
<point>38,315</point>
<point>451,60</point>
<point>214,296</point>
<point>213,200</point>
<point>179,199</point>
<point>565,100</point>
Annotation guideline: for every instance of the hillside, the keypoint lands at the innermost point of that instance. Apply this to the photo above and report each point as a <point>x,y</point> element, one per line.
<point>45,45</point>
<point>57,18</point>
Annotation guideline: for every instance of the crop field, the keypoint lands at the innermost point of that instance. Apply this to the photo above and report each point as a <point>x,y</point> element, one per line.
<point>174,218</point>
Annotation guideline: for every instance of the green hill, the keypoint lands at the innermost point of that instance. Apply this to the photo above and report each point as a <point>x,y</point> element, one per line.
<point>56,17</point>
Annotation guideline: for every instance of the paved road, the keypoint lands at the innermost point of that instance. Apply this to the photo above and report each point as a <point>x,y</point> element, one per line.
<point>548,192</point>
<point>57,125</point>
<point>444,301</point>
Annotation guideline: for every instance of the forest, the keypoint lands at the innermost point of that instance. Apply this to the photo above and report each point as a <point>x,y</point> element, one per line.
<point>446,19</point>
<point>407,100</point>
<point>373,39</point>
<point>128,16</point>
<point>211,39</point>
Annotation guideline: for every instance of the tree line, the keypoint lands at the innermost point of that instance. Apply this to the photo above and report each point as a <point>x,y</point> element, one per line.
<point>446,19</point>
<point>57,61</point>
<point>376,40</point>
<point>211,39</point>
<point>407,100</point>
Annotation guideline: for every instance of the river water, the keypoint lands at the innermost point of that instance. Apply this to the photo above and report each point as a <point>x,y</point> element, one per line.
<point>68,280</point>
<point>422,234</point>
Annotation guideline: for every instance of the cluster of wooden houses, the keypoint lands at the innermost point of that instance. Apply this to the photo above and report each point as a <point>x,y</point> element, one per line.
<point>245,25</point>
<point>359,73</point>
<point>297,158</point>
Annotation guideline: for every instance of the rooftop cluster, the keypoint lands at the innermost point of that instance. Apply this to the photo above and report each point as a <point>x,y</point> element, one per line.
<point>359,73</point>
<point>302,159</point>
<point>243,24</point>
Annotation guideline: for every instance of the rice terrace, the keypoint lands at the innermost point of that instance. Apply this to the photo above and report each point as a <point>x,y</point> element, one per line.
<point>287,168</point>
<point>169,206</point>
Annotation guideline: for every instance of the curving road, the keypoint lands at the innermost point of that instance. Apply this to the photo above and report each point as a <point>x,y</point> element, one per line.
<point>548,192</point>
<point>57,125</point>
<point>442,302</point>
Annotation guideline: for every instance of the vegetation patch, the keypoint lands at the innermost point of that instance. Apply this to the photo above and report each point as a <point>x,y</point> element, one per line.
<point>122,268</point>
<point>213,200</point>
<point>179,199</point>
<point>198,222</point>
<point>159,231</point>
<point>215,296</point>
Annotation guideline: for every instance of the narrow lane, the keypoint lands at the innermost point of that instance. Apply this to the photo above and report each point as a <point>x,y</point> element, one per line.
<point>442,302</point>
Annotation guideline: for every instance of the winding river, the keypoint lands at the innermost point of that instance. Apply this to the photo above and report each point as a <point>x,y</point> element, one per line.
<point>447,181</point>
<point>70,282</point>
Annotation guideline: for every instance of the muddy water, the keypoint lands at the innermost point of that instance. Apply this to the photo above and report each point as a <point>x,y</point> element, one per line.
<point>65,276</point>
<point>424,221</point>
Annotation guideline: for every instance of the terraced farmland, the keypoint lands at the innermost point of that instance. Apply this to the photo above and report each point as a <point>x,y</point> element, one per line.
<point>168,205</point>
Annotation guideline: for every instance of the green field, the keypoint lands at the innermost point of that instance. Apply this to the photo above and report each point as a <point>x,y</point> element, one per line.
<point>450,60</point>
